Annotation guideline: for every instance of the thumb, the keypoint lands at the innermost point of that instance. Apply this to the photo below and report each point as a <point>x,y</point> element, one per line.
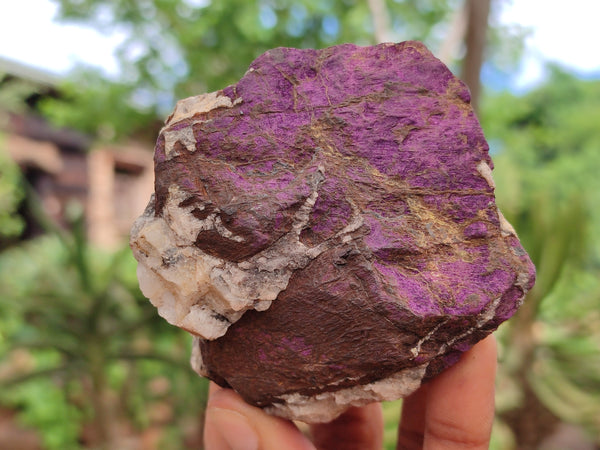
<point>232,424</point>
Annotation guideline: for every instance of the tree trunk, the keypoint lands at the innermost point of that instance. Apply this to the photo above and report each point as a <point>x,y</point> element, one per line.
<point>381,20</point>
<point>477,12</point>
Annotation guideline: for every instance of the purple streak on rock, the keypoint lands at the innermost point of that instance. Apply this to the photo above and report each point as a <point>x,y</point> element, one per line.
<point>370,164</point>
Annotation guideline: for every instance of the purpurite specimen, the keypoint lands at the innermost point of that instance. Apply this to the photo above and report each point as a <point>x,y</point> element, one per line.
<point>327,229</point>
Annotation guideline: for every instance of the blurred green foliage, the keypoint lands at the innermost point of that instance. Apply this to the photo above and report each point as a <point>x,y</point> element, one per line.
<point>99,108</point>
<point>546,148</point>
<point>391,418</point>
<point>14,95</point>
<point>81,347</point>
<point>11,194</point>
<point>185,47</point>
<point>173,49</point>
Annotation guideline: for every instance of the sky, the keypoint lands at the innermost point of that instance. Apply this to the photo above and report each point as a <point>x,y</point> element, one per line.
<point>563,32</point>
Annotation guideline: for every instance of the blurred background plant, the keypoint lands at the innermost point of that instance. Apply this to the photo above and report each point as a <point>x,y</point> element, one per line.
<point>86,357</point>
<point>11,195</point>
<point>547,165</point>
<point>85,361</point>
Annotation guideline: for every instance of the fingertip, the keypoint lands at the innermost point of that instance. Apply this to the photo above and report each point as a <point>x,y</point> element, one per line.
<point>231,423</point>
<point>357,428</point>
<point>213,387</point>
<point>486,348</point>
<point>460,404</point>
<point>411,428</point>
<point>219,397</point>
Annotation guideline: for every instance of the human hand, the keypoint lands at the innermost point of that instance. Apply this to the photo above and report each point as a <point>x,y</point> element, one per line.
<point>453,411</point>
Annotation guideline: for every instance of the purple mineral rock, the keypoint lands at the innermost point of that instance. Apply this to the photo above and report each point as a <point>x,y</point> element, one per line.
<point>326,228</point>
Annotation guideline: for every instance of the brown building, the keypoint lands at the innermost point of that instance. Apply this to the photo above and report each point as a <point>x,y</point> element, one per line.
<point>64,167</point>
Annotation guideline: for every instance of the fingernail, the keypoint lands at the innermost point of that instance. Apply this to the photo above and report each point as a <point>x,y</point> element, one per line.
<point>234,429</point>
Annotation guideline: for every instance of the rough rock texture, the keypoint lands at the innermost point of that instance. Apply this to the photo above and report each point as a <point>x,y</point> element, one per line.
<point>327,230</point>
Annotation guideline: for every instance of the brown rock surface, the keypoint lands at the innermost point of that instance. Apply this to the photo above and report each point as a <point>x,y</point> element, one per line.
<point>327,229</point>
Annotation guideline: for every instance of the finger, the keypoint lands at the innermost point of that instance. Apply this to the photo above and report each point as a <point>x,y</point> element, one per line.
<point>357,428</point>
<point>412,421</point>
<point>460,402</point>
<point>232,424</point>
